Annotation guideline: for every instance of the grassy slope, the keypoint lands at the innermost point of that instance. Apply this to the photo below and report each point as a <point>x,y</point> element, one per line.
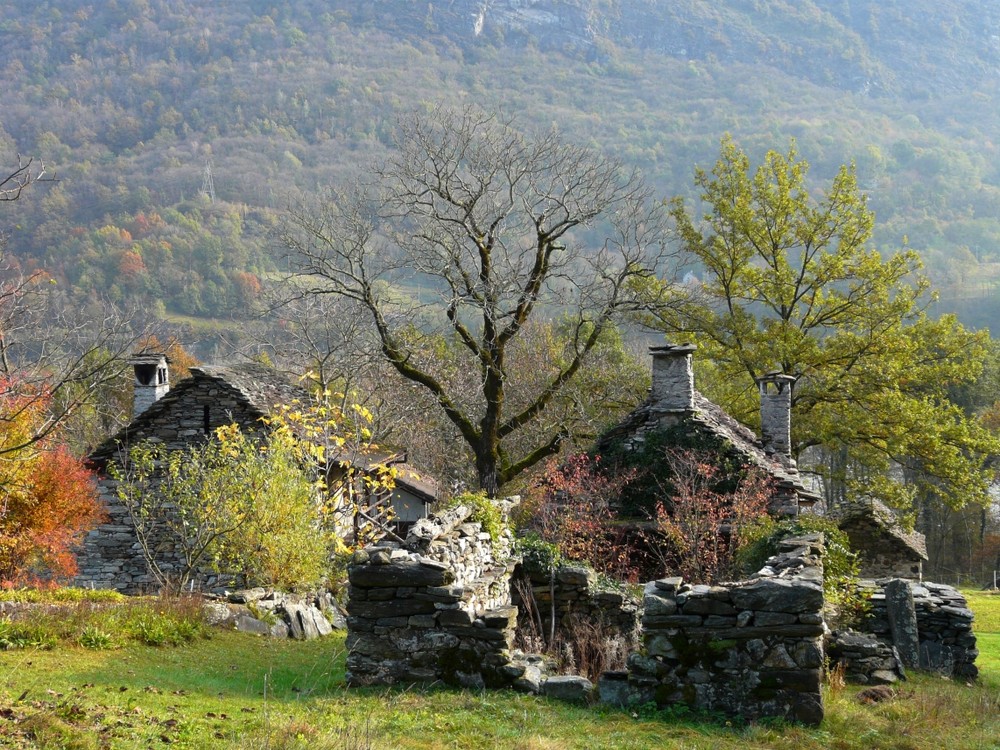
<point>240,691</point>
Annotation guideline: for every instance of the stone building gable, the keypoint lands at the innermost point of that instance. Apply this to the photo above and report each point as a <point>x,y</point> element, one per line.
<point>887,549</point>
<point>707,418</point>
<point>674,403</point>
<point>212,397</point>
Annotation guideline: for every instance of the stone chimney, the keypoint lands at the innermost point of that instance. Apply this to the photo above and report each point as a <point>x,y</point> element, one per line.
<point>152,380</point>
<point>673,377</point>
<point>776,412</point>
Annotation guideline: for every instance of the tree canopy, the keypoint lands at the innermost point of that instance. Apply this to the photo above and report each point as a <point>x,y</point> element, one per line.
<point>789,282</point>
<point>472,231</point>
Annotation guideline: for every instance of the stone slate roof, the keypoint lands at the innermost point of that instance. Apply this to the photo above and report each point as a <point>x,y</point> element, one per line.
<point>711,418</point>
<point>877,516</point>
<point>255,386</point>
<point>417,483</point>
<point>259,389</point>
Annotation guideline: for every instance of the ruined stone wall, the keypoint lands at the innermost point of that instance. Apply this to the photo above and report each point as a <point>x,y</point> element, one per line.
<point>946,642</point>
<point>110,556</point>
<point>578,600</point>
<point>752,648</point>
<point>434,608</point>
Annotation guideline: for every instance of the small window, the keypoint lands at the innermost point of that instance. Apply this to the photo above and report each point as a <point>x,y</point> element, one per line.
<point>205,418</point>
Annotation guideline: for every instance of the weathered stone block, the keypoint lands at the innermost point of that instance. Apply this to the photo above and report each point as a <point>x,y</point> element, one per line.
<point>570,688</point>
<point>703,605</point>
<point>779,595</point>
<point>670,585</point>
<point>671,621</point>
<point>766,619</point>
<point>401,573</point>
<point>399,608</point>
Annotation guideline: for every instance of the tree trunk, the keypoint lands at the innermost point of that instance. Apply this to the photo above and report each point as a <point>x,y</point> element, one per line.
<point>489,475</point>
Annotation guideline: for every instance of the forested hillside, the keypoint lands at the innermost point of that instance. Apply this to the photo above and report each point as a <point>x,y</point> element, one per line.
<point>135,103</point>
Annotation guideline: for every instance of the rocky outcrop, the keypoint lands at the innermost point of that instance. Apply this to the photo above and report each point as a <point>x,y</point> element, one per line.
<point>276,614</point>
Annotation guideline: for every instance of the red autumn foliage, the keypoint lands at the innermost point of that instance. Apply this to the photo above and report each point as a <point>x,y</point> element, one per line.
<point>48,500</point>
<point>131,265</point>
<point>571,506</point>
<point>698,529</point>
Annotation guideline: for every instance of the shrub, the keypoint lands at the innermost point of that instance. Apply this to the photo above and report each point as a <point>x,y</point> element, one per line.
<point>15,635</point>
<point>61,595</point>
<point>571,507</point>
<point>244,504</point>
<point>697,528</point>
<point>50,499</point>
<point>155,622</point>
<point>538,555</point>
<point>485,512</point>
<point>94,638</point>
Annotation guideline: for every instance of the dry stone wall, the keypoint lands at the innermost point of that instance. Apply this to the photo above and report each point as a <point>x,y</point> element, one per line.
<point>579,600</point>
<point>864,659</point>
<point>945,641</point>
<point>434,608</point>
<point>752,648</point>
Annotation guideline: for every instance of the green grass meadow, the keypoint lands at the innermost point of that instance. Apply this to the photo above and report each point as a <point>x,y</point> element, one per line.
<point>232,690</point>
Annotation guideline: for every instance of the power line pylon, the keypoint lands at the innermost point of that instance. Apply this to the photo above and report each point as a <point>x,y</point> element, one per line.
<point>207,183</point>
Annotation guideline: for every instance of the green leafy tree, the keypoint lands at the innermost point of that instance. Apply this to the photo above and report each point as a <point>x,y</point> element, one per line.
<point>790,283</point>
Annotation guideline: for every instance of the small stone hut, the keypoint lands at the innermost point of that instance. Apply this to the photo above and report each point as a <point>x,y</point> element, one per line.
<point>673,402</point>
<point>178,417</point>
<point>887,549</point>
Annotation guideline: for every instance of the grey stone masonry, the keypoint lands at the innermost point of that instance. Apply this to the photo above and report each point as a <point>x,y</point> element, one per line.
<point>864,659</point>
<point>152,380</point>
<point>776,412</point>
<point>902,618</point>
<point>435,608</point>
<point>752,648</point>
<point>578,599</point>
<point>673,378</point>
<point>945,640</point>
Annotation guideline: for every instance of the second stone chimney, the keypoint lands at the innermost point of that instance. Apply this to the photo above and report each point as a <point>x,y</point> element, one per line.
<point>152,380</point>
<point>673,377</point>
<point>776,412</point>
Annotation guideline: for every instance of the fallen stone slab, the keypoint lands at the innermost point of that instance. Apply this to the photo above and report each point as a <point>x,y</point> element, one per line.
<point>569,688</point>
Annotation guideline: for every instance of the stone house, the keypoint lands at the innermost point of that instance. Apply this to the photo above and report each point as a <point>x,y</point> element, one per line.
<point>674,404</point>
<point>181,416</point>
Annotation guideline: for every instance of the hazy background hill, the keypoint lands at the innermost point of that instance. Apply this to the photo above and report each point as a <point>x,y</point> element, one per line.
<point>132,101</point>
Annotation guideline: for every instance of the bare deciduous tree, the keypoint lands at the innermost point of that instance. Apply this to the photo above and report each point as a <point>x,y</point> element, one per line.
<point>19,178</point>
<point>50,351</point>
<point>469,232</point>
